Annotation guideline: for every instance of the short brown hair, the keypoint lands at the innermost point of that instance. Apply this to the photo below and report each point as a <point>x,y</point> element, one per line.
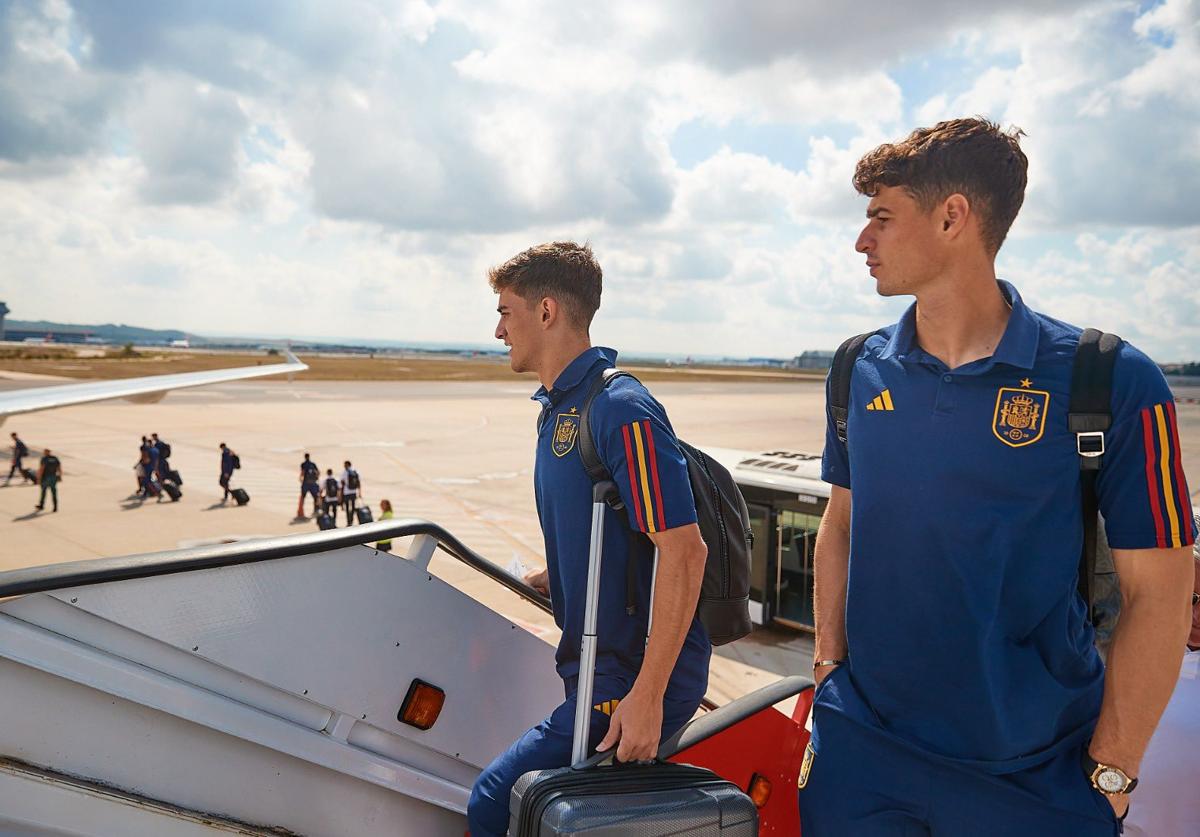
<point>564,270</point>
<point>971,157</point>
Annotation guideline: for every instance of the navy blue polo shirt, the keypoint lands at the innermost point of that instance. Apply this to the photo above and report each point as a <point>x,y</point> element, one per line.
<point>310,471</point>
<point>967,637</point>
<point>635,441</point>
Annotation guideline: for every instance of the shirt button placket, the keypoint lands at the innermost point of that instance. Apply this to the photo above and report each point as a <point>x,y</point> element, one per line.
<point>944,405</point>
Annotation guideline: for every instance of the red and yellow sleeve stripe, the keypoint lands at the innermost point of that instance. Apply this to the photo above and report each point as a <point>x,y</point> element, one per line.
<point>643,476</point>
<point>1169,502</point>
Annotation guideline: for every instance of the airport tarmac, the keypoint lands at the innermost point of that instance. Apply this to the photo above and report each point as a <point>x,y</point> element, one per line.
<point>456,453</point>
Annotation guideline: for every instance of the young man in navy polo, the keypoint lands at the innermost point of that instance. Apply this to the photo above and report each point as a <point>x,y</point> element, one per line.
<point>310,479</point>
<point>645,689</point>
<point>959,688</point>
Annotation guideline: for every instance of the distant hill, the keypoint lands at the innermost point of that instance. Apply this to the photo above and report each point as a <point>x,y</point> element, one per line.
<point>108,332</point>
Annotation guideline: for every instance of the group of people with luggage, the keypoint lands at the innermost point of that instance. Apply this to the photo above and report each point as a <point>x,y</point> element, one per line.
<point>959,689</point>
<point>331,493</point>
<point>48,475</point>
<point>155,476</point>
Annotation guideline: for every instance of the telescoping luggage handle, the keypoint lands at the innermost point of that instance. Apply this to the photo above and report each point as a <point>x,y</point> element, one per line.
<point>601,492</point>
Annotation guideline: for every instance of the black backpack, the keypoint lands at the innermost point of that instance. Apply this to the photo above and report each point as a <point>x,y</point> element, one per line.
<point>22,451</point>
<point>164,450</point>
<point>724,521</point>
<point>332,486</point>
<point>1089,416</point>
<point>236,462</point>
<point>352,480</point>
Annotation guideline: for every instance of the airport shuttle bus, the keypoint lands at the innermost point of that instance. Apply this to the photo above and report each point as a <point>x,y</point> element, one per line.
<point>786,498</point>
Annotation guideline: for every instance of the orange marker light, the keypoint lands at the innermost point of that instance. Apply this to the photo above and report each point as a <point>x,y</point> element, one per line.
<point>760,790</point>
<point>422,705</point>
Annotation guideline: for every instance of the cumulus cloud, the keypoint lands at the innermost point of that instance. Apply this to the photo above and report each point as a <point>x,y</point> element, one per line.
<point>379,156</point>
<point>187,137</point>
<point>49,107</point>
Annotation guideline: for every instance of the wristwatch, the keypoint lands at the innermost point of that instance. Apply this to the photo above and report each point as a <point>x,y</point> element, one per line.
<point>1106,778</point>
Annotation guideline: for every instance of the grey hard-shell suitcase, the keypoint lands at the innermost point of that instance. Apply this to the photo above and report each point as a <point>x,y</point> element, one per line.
<point>644,800</point>
<point>632,800</point>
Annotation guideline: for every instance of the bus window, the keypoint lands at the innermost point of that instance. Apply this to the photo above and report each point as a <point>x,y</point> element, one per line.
<point>797,537</point>
<point>760,526</point>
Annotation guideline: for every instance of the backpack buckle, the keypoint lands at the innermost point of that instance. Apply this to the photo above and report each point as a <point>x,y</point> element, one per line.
<point>1091,444</point>
<point>840,425</point>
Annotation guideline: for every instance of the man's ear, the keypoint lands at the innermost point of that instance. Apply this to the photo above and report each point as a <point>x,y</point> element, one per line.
<point>548,311</point>
<point>956,209</point>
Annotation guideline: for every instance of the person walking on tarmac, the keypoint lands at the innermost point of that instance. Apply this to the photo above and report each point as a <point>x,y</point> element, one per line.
<point>19,452</point>
<point>385,513</point>
<point>310,483</point>
<point>163,452</point>
<point>645,689</point>
<point>351,486</point>
<point>959,687</point>
<point>49,476</point>
<point>332,495</point>
<point>229,463</point>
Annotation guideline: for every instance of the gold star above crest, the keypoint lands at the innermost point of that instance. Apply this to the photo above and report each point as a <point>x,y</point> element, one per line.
<point>1026,383</point>
<point>574,409</point>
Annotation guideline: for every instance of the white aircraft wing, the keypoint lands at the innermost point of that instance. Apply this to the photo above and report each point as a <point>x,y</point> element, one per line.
<point>141,390</point>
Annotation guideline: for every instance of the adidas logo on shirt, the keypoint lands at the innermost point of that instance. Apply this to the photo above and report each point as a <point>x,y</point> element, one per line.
<point>883,401</point>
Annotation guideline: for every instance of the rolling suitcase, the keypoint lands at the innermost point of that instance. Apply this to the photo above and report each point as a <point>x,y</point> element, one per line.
<point>174,477</point>
<point>240,496</point>
<point>172,490</point>
<point>29,475</point>
<point>644,799</point>
<point>325,521</point>
<point>363,514</point>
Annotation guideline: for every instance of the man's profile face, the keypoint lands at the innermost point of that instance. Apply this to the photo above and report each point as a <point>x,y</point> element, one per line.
<point>519,328</point>
<point>900,242</point>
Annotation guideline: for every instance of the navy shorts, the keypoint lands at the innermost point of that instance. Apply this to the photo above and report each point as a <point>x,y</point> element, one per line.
<point>862,781</point>
<point>310,488</point>
<point>548,745</point>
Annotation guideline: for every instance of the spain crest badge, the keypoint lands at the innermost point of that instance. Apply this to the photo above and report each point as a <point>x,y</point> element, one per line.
<point>566,431</point>
<point>1020,416</point>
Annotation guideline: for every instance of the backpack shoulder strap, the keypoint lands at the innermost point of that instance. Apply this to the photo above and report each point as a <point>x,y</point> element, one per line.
<point>839,381</point>
<point>1089,417</point>
<point>1090,412</point>
<point>596,470</point>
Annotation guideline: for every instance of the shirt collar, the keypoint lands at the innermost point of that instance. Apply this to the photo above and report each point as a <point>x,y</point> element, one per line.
<point>1018,347</point>
<point>576,372</point>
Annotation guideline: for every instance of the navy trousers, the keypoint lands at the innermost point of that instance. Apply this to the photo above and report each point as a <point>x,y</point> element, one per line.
<point>548,745</point>
<point>864,783</point>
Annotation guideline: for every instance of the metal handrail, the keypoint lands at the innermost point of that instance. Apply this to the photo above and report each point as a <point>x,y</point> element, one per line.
<point>150,564</point>
<point>50,577</point>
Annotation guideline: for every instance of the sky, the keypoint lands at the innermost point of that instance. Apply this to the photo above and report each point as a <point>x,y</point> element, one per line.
<point>352,168</point>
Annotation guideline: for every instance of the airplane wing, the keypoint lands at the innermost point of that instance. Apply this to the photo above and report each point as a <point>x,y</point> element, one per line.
<point>140,390</point>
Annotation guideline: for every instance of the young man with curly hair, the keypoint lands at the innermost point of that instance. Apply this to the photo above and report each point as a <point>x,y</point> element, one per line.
<point>959,689</point>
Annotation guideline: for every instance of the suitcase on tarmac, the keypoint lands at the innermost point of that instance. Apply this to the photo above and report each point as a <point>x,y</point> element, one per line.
<point>363,514</point>
<point>642,800</point>
<point>240,496</point>
<point>325,521</point>
<point>172,490</point>
<point>29,475</point>
<point>174,477</point>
